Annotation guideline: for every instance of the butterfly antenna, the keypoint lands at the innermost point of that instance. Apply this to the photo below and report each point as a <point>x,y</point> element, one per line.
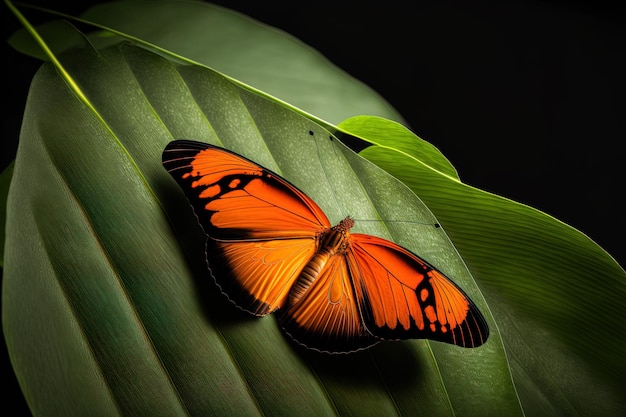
<point>328,177</point>
<point>319,157</point>
<point>435,225</point>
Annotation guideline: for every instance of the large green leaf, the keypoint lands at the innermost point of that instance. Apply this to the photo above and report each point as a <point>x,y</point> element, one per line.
<point>102,242</point>
<point>136,310</point>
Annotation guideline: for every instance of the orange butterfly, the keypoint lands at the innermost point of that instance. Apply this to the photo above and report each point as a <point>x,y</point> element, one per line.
<point>272,248</point>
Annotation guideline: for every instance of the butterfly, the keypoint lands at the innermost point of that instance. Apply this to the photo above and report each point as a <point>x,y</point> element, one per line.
<point>271,248</point>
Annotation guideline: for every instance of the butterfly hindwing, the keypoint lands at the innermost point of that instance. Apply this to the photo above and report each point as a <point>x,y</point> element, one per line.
<point>327,316</point>
<point>258,275</point>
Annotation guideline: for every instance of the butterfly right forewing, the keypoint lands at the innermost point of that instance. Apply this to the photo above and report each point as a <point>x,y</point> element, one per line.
<point>401,296</point>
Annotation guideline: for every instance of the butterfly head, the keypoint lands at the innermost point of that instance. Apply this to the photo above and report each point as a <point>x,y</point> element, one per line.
<point>344,226</point>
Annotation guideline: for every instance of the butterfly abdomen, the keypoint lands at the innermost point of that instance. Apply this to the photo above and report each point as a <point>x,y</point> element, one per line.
<point>308,275</point>
<point>332,242</point>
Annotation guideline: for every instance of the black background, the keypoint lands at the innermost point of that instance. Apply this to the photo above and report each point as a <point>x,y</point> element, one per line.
<point>525,98</point>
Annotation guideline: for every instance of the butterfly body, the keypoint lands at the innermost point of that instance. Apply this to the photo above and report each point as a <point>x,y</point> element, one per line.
<point>271,248</point>
<point>333,242</point>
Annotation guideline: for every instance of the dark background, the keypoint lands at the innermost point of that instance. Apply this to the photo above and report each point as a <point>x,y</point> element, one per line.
<point>525,98</point>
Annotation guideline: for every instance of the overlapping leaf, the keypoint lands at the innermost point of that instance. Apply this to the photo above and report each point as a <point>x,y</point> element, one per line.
<point>544,280</point>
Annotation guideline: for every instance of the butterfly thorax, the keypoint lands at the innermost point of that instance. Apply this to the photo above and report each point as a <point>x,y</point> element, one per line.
<point>334,241</point>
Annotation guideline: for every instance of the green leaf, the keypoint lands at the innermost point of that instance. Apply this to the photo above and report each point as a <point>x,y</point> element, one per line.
<point>102,242</point>
<point>544,281</point>
<point>107,305</point>
<point>388,134</point>
<point>5,181</point>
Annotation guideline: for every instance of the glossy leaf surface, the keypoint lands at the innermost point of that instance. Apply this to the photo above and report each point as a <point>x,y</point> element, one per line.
<point>120,265</point>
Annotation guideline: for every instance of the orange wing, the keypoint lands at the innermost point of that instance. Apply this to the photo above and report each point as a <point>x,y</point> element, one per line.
<point>401,296</point>
<point>376,290</point>
<point>270,246</point>
<point>327,316</point>
<point>262,229</point>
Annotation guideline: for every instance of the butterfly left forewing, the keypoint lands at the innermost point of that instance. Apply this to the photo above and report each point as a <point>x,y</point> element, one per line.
<point>234,198</point>
<point>401,296</point>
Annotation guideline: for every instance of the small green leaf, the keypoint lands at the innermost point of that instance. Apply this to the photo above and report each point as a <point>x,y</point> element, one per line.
<point>387,134</point>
